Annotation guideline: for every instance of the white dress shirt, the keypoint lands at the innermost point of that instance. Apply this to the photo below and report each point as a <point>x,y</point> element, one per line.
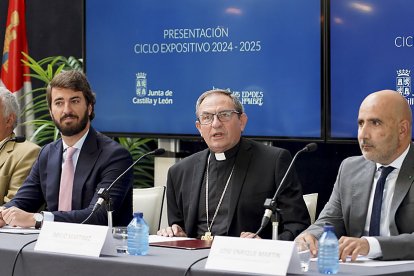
<point>374,246</point>
<point>48,216</point>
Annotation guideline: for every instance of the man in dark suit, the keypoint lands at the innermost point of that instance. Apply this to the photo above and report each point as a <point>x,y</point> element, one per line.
<point>221,190</point>
<point>384,135</point>
<point>96,162</point>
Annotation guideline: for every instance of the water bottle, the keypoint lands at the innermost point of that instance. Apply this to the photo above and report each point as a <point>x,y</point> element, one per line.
<point>138,233</point>
<point>328,252</point>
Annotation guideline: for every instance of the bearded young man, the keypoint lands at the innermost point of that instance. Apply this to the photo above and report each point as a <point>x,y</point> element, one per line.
<point>68,172</point>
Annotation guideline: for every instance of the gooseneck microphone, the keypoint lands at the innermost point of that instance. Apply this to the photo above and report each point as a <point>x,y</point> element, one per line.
<point>103,193</point>
<point>17,139</point>
<point>270,203</point>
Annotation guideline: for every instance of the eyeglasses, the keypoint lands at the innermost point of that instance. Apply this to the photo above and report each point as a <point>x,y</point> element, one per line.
<point>223,116</point>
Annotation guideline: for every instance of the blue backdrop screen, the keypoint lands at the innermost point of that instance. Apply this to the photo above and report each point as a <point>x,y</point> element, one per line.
<point>371,49</point>
<point>149,60</point>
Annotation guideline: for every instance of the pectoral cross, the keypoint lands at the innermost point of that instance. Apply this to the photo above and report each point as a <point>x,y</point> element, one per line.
<point>207,236</point>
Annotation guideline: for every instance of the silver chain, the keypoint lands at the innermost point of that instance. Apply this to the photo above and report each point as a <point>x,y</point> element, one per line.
<point>222,195</point>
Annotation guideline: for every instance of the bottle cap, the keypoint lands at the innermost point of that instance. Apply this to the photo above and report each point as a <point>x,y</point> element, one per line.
<point>328,227</point>
<point>138,214</point>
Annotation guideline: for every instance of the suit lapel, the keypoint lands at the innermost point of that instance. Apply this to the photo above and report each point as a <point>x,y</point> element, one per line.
<point>361,191</point>
<point>196,184</point>
<point>3,157</point>
<point>240,170</point>
<point>4,154</point>
<point>54,168</point>
<point>87,158</point>
<point>402,186</point>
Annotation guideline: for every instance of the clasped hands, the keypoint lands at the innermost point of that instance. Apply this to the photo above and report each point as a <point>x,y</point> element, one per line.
<point>14,216</point>
<point>348,246</point>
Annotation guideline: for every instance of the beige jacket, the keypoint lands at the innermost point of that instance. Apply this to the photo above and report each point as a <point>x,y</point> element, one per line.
<point>16,160</point>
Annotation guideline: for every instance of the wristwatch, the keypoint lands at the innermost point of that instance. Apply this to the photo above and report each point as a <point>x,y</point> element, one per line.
<point>38,219</point>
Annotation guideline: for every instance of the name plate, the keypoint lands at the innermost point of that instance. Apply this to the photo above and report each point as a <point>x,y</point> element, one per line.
<point>72,238</point>
<point>260,256</point>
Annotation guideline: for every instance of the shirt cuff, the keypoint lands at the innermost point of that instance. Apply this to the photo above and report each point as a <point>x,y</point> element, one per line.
<point>374,248</point>
<point>48,216</point>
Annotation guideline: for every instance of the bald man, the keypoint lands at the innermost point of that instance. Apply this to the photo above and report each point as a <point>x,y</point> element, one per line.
<point>384,136</point>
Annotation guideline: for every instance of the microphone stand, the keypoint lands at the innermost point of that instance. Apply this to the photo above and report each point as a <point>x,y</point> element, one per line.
<point>272,211</point>
<point>270,203</point>
<point>103,193</point>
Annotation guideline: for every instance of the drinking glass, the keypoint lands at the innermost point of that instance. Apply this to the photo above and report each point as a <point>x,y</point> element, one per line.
<point>120,235</point>
<point>303,250</point>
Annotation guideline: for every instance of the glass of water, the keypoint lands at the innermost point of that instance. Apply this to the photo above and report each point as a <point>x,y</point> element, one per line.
<point>120,235</point>
<point>303,250</point>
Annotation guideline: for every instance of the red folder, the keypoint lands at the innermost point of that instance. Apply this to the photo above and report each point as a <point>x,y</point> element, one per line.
<point>184,244</point>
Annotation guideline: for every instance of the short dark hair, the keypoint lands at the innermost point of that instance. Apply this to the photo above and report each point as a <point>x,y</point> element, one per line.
<point>237,104</point>
<point>76,81</point>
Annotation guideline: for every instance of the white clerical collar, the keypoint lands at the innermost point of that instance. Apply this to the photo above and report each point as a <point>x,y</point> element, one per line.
<point>220,156</point>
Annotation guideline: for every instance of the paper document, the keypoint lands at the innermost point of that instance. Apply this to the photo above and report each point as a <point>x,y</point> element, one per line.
<point>364,261</point>
<point>18,230</point>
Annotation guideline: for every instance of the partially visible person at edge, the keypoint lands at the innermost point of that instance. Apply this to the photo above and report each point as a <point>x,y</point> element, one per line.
<point>221,190</point>
<point>16,159</point>
<point>384,136</point>
<point>97,161</point>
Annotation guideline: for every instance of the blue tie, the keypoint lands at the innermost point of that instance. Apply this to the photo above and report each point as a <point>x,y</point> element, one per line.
<point>374,226</point>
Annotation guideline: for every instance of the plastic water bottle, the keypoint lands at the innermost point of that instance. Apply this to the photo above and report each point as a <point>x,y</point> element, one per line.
<point>328,252</point>
<point>138,233</point>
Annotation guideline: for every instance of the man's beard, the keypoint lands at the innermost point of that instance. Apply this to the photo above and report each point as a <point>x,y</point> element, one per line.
<point>72,129</point>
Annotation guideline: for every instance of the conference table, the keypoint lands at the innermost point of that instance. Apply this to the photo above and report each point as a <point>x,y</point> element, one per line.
<point>159,261</point>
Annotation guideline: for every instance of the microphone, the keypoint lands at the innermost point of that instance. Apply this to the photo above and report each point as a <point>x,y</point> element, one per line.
<point>17,139</point>
<point>270,204</point>
<point>104,192</point>
<point>310,147</point>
